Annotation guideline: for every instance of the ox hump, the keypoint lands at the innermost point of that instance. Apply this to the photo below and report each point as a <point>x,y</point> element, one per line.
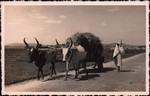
<point>80,48</point>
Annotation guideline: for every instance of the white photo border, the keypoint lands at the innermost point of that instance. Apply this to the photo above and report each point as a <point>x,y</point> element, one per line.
<point>128,3</point>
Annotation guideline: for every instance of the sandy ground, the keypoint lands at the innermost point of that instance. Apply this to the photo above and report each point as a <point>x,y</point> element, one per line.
<point>132,78</point>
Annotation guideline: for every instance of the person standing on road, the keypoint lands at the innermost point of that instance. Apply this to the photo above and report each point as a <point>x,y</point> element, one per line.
<point>117,55</point>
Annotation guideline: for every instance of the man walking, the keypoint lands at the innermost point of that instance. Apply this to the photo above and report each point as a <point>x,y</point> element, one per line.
<point>117,55</point>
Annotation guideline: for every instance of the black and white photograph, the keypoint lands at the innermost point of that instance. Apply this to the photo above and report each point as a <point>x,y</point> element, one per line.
<point>75,48</point>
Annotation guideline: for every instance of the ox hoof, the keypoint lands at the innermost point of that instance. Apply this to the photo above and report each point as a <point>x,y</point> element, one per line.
<point>94,67</point>
<point>79,76</point>
<point>42,78</point>
<point>87,74</point>
<point>38,77</point>
<point>76,77</point>
<point>65,79</point>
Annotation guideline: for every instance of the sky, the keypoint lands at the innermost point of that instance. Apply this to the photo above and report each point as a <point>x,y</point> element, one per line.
<point>50,22</point>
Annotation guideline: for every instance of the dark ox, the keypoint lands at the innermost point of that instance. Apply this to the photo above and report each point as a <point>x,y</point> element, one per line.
<point>41,56</point>
<point>75,55</point>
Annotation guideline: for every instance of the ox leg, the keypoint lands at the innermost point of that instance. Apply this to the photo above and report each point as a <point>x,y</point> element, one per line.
<point>99,62</point>
<point>100,65</point>
<point>38,75</point>
<point>95,65</point>
<point>67,69</point>
<point>53,68</point>
<point>51,71</point>
<point>76,74</point>
<point>84,66</point>
<point>77,70</point>
<point>41,69</point>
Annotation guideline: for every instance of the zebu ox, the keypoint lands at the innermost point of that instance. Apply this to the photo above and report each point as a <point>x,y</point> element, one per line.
<point>41,56</point>
<point>75,55</point>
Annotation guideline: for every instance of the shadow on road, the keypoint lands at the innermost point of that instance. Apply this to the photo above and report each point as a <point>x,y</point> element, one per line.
<point>54,78</point>
<point>91,76</point>
<point>127,70</point>
<point>106,69</point>
<point>84,77</point>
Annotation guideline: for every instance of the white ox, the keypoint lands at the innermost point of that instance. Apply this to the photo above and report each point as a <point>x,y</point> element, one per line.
<point>75,55</point>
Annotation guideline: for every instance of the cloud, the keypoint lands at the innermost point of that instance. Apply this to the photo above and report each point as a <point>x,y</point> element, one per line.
<point>103,24</point>
<point>51,20</point>
<point>34,11</point>
<point>46,19</point>
<point>16,21</point>
<point>62,17</point>
<point>113,10</point>
<point>35,14</point>
<point>38,16</point>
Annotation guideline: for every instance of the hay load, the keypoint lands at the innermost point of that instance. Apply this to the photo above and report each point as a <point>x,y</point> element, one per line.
<point>92,45</point>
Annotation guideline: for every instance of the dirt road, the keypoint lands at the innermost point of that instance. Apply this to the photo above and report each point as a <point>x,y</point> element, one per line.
<point>132,78</point>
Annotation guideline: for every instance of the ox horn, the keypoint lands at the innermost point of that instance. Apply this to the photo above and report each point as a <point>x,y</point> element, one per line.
<point>27,45</point>
<point>58,43</point>
<point>37,43</point>
<point>71,43</point>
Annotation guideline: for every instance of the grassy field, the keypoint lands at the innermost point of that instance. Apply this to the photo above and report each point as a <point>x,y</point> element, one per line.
<point>18,69</point>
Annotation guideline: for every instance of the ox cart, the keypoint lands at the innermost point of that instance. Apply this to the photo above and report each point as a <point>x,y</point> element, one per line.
<point>92,45</point>
<point>95,57</point>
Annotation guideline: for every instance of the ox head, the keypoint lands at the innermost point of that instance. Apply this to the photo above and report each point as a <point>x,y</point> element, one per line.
<point>33,51</point>
<point>66,51</point>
